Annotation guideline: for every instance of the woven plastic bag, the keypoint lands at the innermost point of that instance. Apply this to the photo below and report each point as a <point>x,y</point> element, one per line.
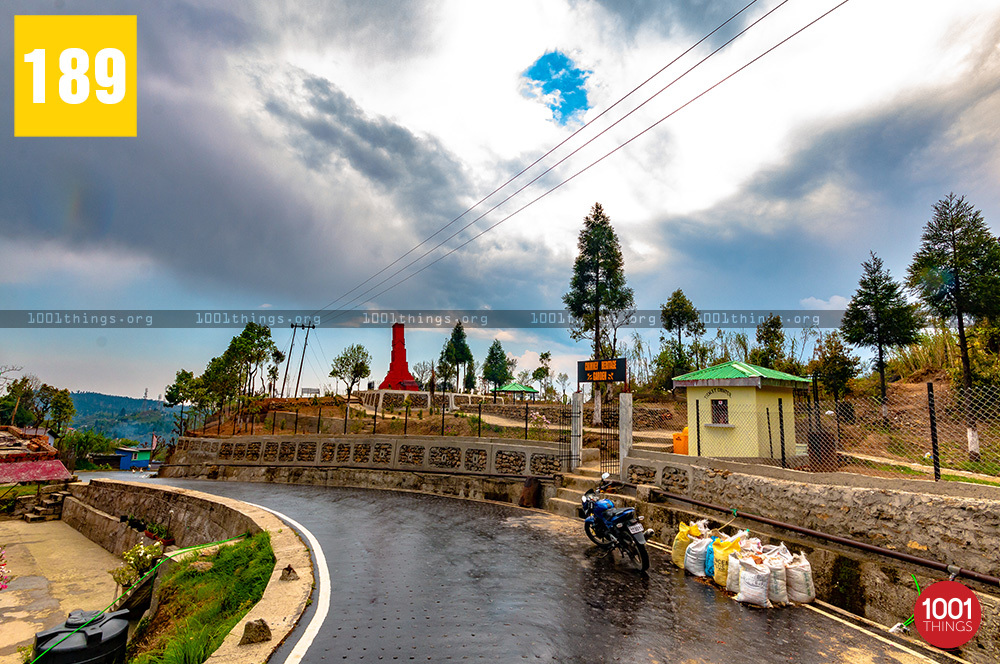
<point>733,573</point>
<point>777,589</point>
<point>721,550</point>
<point>694,556</point>
<point>685,533</point>
<point>754,581</point>
<point>799,580</point>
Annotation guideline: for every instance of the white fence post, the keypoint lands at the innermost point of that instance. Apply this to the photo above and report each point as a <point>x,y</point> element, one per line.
<point>624,431</point>
<point>576,431</point>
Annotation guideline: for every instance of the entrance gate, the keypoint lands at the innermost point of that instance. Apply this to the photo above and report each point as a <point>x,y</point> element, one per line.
<point>610,459</point>
<point>564,422</point>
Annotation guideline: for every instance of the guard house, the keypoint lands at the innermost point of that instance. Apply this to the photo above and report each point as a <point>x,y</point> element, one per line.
<point>739,410</point>
<point>133,457</point>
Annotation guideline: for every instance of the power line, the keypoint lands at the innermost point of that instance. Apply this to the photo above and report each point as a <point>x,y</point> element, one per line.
<point>539,159</point>
<point>597,161</point>
<point>560,162</point>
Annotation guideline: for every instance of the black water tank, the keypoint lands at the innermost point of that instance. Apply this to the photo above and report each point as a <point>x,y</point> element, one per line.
<point>102,641</point>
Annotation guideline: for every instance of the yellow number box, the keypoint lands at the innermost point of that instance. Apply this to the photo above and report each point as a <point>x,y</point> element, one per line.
<point>75,76</point>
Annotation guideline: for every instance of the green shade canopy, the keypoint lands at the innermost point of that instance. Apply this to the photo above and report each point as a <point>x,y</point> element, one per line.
<point>517,387</point>
<point>739,374</point>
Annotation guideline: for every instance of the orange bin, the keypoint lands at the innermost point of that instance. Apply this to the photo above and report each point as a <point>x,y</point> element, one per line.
<point>681,442</point>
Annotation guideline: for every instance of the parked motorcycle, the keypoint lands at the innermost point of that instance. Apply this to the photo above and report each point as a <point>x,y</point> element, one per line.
<point>611,527</point>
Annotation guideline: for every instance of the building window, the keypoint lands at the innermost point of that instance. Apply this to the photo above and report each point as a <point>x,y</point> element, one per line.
<point>720,411</point>
<point>135,455</point>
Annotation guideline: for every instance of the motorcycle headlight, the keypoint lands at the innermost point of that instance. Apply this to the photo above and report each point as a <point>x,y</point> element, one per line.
<point>583,499</point>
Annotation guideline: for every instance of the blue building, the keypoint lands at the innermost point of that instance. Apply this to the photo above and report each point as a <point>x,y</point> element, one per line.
<point>133,457</point>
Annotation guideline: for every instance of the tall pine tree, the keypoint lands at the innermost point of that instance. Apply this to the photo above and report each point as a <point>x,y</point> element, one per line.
<point>599,298</point>
<point>879,317</point>
<point>956,274</point>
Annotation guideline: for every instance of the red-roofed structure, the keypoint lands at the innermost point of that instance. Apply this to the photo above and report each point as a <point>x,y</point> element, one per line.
<point>33,471</point>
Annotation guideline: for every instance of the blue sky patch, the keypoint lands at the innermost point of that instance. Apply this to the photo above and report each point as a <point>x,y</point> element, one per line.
<point>559,83</point>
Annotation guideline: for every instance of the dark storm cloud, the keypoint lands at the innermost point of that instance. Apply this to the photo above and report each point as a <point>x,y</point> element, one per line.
<point>197,190</point>
<point>331,129</point>
<point>888,167</point>
<point>697,17</point>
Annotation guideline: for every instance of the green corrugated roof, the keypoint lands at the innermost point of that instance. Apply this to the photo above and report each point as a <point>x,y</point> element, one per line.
<point>737,370</point>
<point>516,387</point>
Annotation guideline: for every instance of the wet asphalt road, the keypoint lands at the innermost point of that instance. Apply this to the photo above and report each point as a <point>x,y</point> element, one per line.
<point>428,578</point>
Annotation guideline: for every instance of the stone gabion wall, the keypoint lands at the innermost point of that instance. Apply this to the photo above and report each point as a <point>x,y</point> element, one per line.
<point>545,464</point>
<point>509,463</point>
<point>464,455</point>
<point>641,474</point>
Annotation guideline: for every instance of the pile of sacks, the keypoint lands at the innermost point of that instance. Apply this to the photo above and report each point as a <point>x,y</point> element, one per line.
<point>760,575</point>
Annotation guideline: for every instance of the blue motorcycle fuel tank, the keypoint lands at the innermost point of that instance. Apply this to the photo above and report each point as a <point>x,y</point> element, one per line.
<point>602,505</point>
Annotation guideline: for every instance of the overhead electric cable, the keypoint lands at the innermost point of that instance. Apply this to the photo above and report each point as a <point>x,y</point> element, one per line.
<point>564,159</point>
<point>597,161</point>
<point>546,154</point>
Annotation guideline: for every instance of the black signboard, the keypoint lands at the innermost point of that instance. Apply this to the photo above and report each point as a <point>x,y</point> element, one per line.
<point>601,371</point>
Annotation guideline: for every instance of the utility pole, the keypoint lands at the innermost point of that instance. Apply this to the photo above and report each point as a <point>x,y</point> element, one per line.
<point>308,326</point>
<point>288,361</point>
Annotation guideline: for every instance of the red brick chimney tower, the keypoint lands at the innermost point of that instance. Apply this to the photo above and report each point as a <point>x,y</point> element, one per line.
<point>399,376</point>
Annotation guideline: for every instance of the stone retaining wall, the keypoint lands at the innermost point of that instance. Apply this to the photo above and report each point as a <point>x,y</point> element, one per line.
<point>199,518</point>
<point>486,456</point>
<point>953,524</point>
<point>191,518</point>
<point>478,487</point>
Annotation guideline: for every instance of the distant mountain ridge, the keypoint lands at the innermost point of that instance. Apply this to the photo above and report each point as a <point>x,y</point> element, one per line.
<point>123,417</point>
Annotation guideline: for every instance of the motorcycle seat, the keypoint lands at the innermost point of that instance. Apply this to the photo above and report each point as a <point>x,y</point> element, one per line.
<point>614,512</point>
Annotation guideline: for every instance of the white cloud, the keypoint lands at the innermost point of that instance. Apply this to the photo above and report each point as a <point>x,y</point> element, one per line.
<point>835,303</point>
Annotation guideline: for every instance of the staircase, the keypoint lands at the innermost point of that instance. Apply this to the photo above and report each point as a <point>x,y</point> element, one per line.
<point>50,508</point>
<point>567,499</point>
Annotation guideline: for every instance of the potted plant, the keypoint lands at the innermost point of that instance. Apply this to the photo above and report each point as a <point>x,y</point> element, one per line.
<point>159,533</point>
<point>136,522</point>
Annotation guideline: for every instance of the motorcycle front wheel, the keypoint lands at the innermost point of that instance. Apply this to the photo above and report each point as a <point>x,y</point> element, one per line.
<point>636,550</point>
<point>592,534</point>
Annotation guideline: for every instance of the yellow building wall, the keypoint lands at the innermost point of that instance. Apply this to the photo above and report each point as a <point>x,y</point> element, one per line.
<point>746,435</point>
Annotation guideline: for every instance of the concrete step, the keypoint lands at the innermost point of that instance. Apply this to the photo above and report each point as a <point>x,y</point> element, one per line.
<point>45,511</point>
<point>654,447</point>
<point>579,483</point>
<point>563,507</point>
<point>53,502</point>
<point>569,494</point>
<point>653,454</point>
<point>592,471</point>
<point>33,518</point>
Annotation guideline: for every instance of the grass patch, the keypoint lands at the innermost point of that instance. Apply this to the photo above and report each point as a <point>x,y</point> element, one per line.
<point>970,480</point>
<point>893,468</point>
<point>198,609</point>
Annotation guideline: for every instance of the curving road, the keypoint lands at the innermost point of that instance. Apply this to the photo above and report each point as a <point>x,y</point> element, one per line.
<point>434,579</point>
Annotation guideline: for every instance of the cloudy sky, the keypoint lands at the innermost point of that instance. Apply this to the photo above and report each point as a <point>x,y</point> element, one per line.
<point>287,151</point>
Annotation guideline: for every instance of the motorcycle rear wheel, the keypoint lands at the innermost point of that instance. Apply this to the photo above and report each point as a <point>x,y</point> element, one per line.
<point>636,550</point>
<point>592,534</point>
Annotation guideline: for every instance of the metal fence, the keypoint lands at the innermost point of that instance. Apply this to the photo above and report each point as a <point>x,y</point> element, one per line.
<point>527,421</point>
<point>922,431</point>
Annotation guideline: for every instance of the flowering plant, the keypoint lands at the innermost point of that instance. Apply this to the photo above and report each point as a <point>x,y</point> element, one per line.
<point>4,572</point>
<point>538,424</point>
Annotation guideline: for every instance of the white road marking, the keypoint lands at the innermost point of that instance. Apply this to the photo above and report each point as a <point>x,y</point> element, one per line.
<point>908,651</point>
<point>323,603</point>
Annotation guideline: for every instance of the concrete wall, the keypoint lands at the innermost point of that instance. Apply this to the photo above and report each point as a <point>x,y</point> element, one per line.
<point>484,456</point>
<point>199,518</point>
<point>95,509</point>
<point>946,521</point>
<point>500,489</point>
